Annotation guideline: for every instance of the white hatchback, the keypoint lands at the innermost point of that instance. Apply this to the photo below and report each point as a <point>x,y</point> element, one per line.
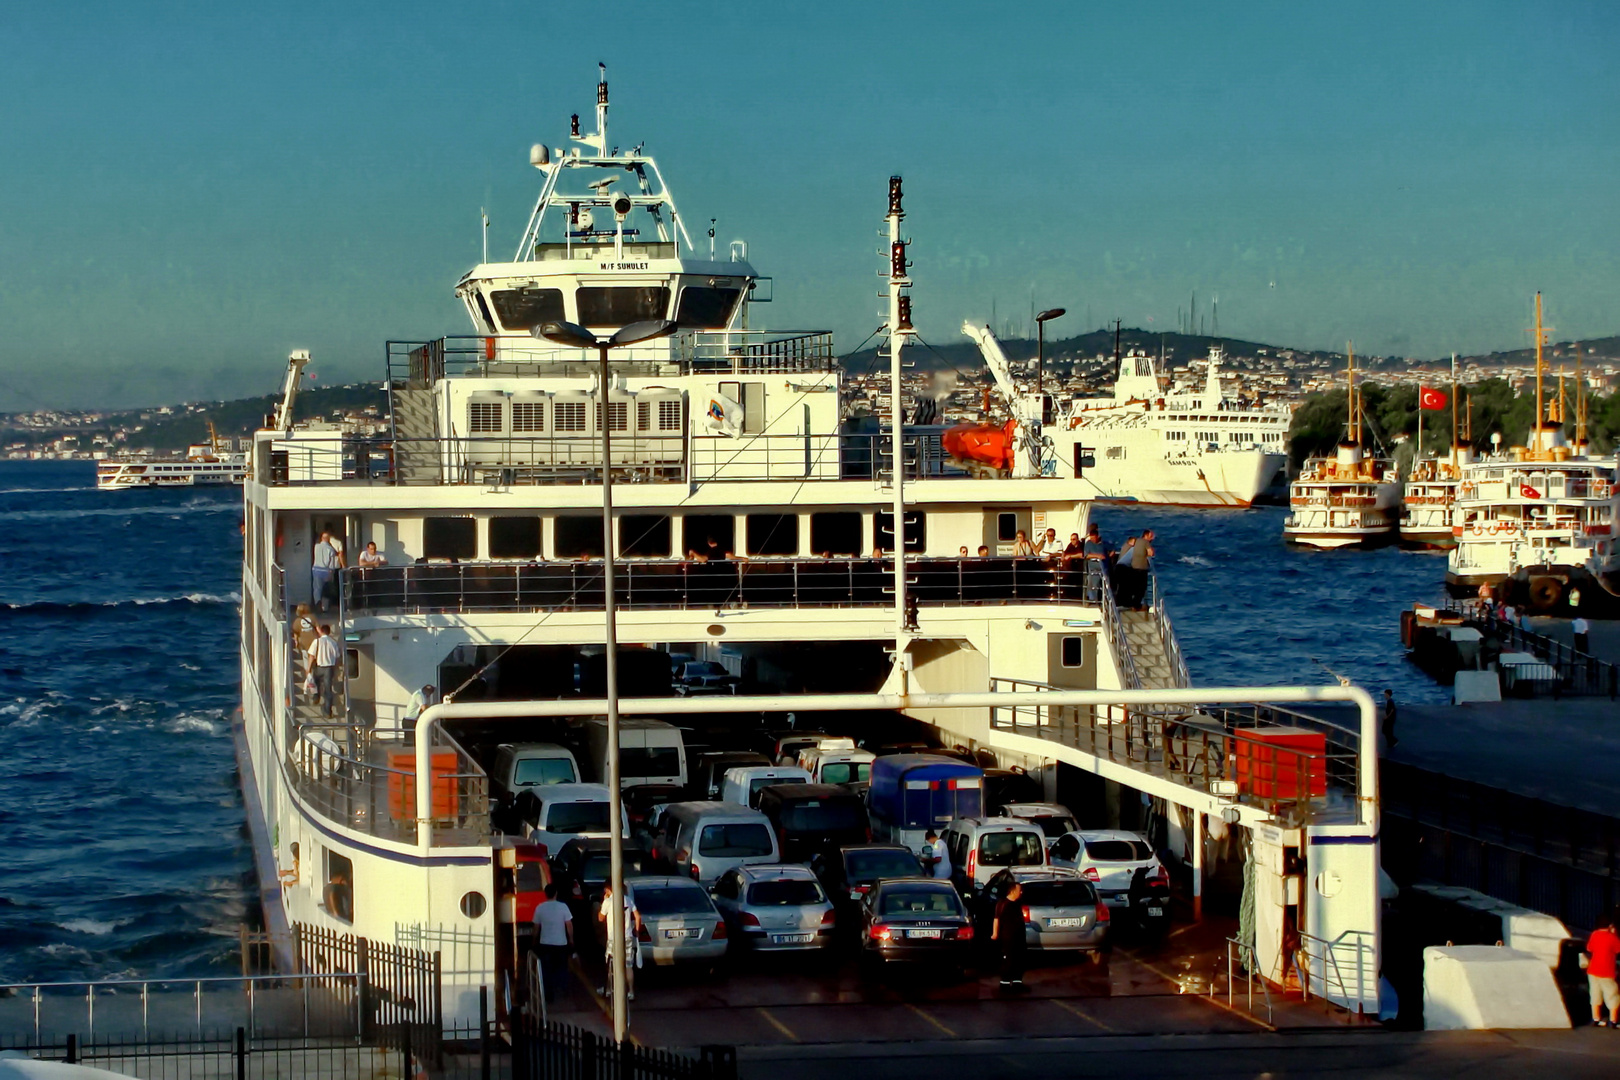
<point>1108,858</point>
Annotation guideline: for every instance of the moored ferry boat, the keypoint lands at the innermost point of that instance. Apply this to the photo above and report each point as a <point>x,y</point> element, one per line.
<point>747,528</point>
<point>1429,500</point>
<point>1348,500</point>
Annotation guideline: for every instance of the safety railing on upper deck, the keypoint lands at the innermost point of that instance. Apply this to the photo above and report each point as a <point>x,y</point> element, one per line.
<point>506,460</point>
<point>683,584</point>
<point>420,364</point>
<point>1297,766</point>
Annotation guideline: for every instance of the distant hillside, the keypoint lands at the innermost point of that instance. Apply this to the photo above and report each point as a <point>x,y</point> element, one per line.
<point>963,355</point>
<point>244,416</point>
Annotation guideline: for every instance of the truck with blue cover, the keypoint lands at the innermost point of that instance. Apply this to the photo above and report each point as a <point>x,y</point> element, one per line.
<point>912,793</point>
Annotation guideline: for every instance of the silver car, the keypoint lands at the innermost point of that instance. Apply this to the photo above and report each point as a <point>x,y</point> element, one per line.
<point>775,907</point>
<point>1061,909</point>
<point>679,923</point>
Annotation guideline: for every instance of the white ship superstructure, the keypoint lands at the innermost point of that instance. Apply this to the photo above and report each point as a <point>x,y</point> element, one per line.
<point>1430,500</point>
<point>1154,445</point>
<point>1349,499</point>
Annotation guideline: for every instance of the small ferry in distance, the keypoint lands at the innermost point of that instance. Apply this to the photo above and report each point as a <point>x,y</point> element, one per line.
<point>208,463</point>
<point>1148,444</point>
<point>1536,513</point>
<point>1349,499</point>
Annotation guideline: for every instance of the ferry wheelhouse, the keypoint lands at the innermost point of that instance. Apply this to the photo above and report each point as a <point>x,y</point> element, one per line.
<point>1349,499</point>
<point>748,527</point>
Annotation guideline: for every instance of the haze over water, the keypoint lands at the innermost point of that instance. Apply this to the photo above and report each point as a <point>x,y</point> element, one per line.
<point>124,852</point>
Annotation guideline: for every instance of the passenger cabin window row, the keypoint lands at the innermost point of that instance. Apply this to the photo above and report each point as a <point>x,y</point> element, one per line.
<point>521,309</point>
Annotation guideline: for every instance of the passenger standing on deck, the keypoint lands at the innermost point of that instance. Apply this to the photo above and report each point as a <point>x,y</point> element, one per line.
<point>419,701</point>
<point>1602,989</point>
<point>1007,931</point>
<point>1582,628</point>
<point>371,558</point>
<point>324,655</point>
<point>1141,560</point>
<point>327,561</point>
<point>1389,720</point>
<point>553,941</point>
<point>1051,546</point>
<point>1021,544</point>
<point>1095,550</point>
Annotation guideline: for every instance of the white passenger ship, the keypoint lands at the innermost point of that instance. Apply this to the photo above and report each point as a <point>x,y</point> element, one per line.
<point>208,463</point>
<point>1544,507</point>
<point>1349,499</point>
<point>486,504</point>
<point>1149,444</point>
<point>747,527</point>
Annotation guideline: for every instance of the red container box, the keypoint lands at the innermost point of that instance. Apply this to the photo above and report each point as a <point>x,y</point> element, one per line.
<point>402,785</point>
<point>1273,763</point>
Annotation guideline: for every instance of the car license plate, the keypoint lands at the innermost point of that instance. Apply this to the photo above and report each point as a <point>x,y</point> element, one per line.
<point>1155,911</point>
<point>922,933</point>
<point>1064,924</point>
<point>683,933</point>
<point>792,939</point>
<point>856,894</point>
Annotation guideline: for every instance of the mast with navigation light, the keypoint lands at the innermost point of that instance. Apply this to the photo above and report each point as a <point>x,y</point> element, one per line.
<point>899,330</point>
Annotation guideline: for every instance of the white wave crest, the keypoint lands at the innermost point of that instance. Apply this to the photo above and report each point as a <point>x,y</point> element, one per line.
<point>186,724</point>
<point>193,507</point>
<point>1194,560</point>
<point>139,601</point>
<point>93,927</point>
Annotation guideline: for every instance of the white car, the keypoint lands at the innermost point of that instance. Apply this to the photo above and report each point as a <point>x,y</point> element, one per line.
<point>1108,858</point>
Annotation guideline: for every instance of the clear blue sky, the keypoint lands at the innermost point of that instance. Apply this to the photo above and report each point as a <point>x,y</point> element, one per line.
<point>192,189</point>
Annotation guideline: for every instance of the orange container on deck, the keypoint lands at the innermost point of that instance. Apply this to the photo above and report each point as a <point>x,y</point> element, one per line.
<point>402,788</point>
<point>1273,763</point>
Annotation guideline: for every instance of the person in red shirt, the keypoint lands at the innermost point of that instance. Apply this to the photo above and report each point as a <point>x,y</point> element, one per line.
<point>1601,948</point>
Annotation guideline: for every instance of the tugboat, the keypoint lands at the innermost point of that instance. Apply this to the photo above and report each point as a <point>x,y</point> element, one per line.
<point>1536,513</point>
<point>1350,499</point>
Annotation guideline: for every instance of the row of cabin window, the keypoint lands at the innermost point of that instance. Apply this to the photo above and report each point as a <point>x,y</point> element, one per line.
<point>652,536</point>
<point>700,308</point>
<point>484,417</point>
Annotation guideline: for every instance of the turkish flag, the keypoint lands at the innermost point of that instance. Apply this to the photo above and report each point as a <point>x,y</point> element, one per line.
<point>1528,492</point>
<point>1431,399</point>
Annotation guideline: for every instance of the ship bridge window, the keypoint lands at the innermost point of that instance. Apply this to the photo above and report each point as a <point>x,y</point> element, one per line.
<point>516,537</point>
<point>524,309</point>
<point>916,530</point>
<point>578,537</point>
<point>835,533</point>
<point>644,536</point>
<point>773,534</point>
<point>620,306</point>
<point>706,309</point>
<point>449,538</point>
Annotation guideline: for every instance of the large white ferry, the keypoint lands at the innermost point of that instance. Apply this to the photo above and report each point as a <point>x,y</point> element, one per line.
<point>206,463</point>
<point>1150,444</point>
<point>744,526</point>
<point>1349,499</point>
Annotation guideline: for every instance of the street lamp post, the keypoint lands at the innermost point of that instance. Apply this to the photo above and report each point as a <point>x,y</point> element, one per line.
<point>566,333</point>
<point>1040,343</point>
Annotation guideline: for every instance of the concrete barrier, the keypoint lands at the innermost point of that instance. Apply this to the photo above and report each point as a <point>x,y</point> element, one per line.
<point>1488,987</point>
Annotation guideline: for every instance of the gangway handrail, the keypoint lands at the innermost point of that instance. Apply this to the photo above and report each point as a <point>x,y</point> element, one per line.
<point>1250,965</point>
<point>1328,954</point>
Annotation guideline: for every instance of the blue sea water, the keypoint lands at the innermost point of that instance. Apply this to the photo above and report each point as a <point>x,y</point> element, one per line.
<point>121,842</point>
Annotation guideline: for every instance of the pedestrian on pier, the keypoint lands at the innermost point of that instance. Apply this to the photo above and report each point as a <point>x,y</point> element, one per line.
<point>1599,960</point>
<point>1007,931</point>
<point>1582,628</point>
<point>553,941</point>
<point>1389,720</point>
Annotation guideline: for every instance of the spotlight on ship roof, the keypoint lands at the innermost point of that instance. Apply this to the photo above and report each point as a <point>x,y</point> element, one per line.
<point>1040,341</point>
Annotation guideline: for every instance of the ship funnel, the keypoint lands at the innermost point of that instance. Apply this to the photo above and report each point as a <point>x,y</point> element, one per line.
<point>1349,454</point>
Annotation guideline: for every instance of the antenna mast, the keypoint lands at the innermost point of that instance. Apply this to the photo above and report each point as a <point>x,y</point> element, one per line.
<point>899,330</point>
<point>601,111</point>
<point>1350,387</point>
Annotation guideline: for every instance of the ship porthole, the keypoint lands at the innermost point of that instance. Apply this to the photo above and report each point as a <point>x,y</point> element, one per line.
<point>716,630</point>
<point>473,905</point>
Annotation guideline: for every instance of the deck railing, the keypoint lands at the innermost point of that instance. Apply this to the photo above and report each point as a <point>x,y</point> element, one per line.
<point>680,584</point>
<point>1574,673</point>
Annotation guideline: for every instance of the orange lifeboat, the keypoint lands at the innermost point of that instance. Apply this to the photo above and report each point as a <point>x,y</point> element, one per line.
<point>983,443</point>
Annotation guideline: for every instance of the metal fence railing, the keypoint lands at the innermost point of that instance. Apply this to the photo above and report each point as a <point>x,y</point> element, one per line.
<point>1562,670</point>
<point>1340,971</point>
<point>681,584</point>
<point>549,1051</point>
<point>1241,962</point>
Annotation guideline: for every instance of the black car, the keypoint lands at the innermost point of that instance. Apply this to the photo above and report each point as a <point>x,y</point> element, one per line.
<point>698,677</point>
<point>814,819</point>
<point>917,921</point>
<point>849,873</point>
<point>580,869</point>
<point>640,799</point>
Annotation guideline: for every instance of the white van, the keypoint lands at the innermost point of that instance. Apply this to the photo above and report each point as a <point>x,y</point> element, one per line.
<point>742,785</point>
<point>650,751</point>
<point>980,848</point>
<point>702,840</point>
<point>562,812</point>
<point>530,765</point>
<point>838,766</point>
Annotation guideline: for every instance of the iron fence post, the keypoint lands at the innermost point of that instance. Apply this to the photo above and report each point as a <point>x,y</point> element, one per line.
<point>483,1033</point>
<point>241,1054</point>
<point>362,953</point>
<point>72,1049</point>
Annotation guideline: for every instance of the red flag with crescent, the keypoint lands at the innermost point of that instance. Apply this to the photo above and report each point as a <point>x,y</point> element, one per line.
<point>1528,492</point>
<point>1429,398</point>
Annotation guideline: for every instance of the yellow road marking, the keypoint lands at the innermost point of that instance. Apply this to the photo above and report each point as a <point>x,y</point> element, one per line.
<point>1210,997</point>
<point>777,1024</point>
<point>931,1020</point>
<point>603,1002</point>
<point>1066,1007</point>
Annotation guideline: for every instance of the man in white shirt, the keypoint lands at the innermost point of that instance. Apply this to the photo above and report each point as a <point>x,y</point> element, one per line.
<point>324,655</point>
<point>632,945</point>
<point>1051,546</point>
<point>553,941</point>
<point>937,861</point>
<point>419,701</point>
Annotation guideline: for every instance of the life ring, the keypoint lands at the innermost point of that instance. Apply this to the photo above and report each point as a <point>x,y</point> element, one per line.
<point>1545,592</point>
<point>1476,529</point>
